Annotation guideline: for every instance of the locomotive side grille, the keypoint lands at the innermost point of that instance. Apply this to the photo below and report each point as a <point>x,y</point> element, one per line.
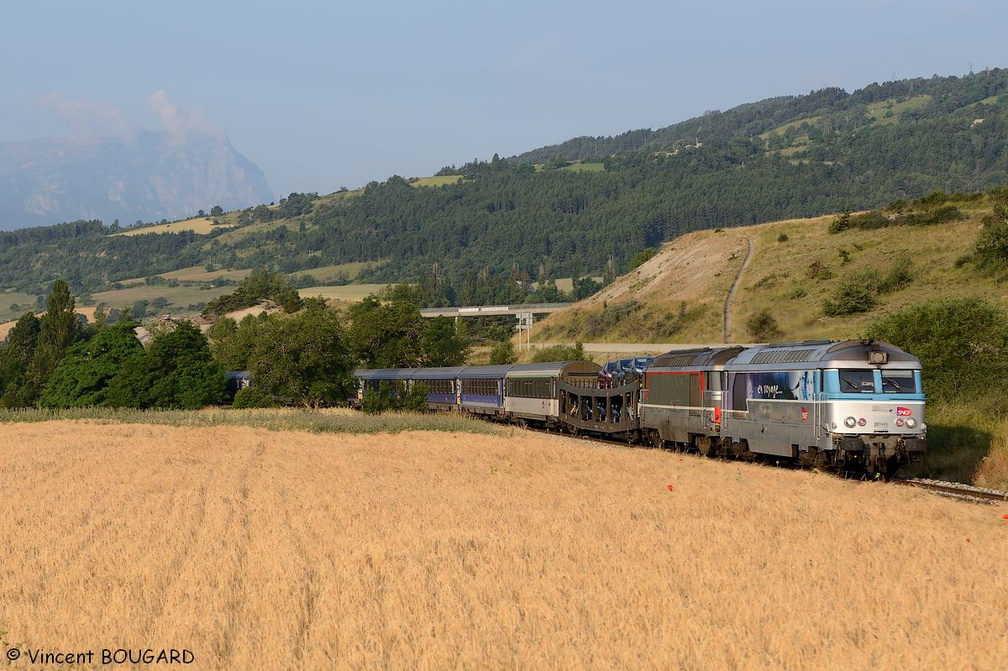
<point>672,361</point>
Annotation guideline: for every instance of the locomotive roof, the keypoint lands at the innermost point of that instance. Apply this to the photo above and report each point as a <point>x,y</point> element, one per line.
<point>702,356</point>
<point>846,353</point>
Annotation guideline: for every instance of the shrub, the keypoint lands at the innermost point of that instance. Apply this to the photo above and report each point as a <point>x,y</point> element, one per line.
<point>962,344</point>
<point>642,257</point>
<point>856,294</point>
<point>762,326</point>
<point>899,276</point>
<point>560,353</point>
<point>379,400</point>
<point>416,399</point>
<point>253,397</point>
<point>503,353</point>
<point>819,271</point>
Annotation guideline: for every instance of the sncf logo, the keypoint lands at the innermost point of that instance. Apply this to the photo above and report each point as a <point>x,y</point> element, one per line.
<point>903,412</point>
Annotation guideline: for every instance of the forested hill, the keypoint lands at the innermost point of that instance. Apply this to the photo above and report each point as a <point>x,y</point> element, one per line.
<point>828,125</point>
<point>584,207</point>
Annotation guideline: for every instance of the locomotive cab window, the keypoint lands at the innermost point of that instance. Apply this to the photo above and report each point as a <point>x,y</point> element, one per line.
<point>898,382</point>
<point>853,381</point>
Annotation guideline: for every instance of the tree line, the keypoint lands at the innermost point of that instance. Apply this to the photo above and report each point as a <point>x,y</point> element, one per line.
<point>303,358</point>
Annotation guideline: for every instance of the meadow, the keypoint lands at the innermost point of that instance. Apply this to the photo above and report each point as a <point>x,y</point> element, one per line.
<point>287,549</point>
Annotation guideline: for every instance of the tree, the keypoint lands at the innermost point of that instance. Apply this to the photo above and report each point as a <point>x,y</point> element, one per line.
<point>445,344</point>
<point>82,378</point>
<point>177,371</point>
<point>387,335</point>
<point>503,353</point>
<point>216,211</point>
<point>15,358</point>
<point>303,359</point>
<point>991,249</point>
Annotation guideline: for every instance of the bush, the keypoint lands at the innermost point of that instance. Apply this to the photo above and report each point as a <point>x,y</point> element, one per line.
<point>378,401</point>
<point>253,397</point>
<point>416,399</point>
<point>503,353</point>
<point>642,257</point>
<point>856,294</point>
<point>762,326</point>
<point>962,344</point>
<point>560,353</point>
<point>899,276</point>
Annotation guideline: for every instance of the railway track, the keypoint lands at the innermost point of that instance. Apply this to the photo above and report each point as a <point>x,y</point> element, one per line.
<point>954,490</point>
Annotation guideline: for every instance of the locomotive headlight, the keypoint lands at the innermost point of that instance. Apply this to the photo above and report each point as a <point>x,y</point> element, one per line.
<point>850,422</point>
<point>899,422</point>
<point>911,422</point>
<point>862,421</point>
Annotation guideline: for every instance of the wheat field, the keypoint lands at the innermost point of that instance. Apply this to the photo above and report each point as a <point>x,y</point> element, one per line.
<point>287,550</point>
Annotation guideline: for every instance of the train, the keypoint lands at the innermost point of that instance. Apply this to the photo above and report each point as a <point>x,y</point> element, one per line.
<point>850,406</point>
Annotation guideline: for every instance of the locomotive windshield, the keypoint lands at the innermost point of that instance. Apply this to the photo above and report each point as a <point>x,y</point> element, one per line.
<point>857,381</point>
<point>898,382</point>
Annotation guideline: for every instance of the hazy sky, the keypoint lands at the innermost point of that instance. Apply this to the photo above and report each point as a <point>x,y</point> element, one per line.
<point>328,94</point>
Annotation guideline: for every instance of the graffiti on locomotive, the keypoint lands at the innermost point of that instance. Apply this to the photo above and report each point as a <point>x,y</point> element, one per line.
<point>791,385</point>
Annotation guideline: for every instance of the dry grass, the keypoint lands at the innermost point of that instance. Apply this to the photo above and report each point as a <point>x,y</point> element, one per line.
<point>421,550</point>
<point>346,292</point>
<point>696,272</point>
<point>200,225</point>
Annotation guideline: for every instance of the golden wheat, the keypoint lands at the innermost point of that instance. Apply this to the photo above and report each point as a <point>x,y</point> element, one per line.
<point>278,550</point>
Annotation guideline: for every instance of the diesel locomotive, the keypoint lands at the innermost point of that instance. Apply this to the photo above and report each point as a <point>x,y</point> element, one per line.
<point>855,405</point>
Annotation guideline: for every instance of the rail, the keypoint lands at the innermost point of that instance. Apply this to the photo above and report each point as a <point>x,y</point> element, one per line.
<point>954,490</point>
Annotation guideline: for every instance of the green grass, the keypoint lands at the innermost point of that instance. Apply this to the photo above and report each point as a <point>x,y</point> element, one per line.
<point>440,180</point>
<point>325,274</point>
<point>960,439</point>
<point>780,130</point>
<point>179,298</point>
<point>585,167</point>
<point>880,109</point>
<point>280,419</point>
<point>25,303</point>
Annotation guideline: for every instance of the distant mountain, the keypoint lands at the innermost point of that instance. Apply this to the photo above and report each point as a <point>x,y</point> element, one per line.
<point>148,177</point>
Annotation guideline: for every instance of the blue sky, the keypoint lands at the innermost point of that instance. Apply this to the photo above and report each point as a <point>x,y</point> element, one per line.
<point>328,94</point>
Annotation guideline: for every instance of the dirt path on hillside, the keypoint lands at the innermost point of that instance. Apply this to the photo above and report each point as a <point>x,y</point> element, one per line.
<point>734,286</point>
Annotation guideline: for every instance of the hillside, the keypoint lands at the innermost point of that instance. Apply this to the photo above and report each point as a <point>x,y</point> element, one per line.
<point>679,295</point>
<point>480,232</point>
